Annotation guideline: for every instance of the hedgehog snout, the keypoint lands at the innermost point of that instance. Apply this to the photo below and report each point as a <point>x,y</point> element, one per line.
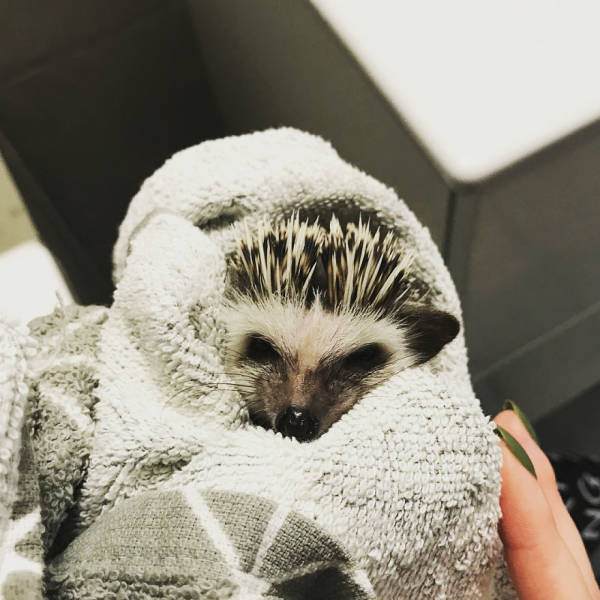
<point>298,423</point>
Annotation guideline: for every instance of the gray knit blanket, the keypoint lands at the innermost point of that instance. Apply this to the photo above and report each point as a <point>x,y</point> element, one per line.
<point>130,469</point>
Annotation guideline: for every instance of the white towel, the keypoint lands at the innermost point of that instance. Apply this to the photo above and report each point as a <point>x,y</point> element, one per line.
<point>399,497</point>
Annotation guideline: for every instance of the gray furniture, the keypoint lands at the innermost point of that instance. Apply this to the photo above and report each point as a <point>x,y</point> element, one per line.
<point>94,97</point>
<point>522,243</point>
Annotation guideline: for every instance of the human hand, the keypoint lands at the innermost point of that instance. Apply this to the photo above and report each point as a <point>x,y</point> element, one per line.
<point>545,554</point>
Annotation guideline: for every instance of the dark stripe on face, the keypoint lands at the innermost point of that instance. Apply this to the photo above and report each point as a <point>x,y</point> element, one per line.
<point>355,365</point>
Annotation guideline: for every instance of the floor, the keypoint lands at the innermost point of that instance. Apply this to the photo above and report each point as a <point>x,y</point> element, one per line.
<point>15,226</point>
<point>30,282</point>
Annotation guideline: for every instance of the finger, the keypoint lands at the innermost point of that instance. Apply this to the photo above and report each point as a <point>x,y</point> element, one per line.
<point>539,562</point>
<point>547,481</point>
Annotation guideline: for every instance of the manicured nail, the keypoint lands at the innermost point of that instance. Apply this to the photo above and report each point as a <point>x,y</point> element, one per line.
<point>516,449</point>
<point>510,405</point>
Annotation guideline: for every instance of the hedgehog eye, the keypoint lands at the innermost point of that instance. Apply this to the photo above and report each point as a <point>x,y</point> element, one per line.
<point>365,358</point>
<point>261,350</point>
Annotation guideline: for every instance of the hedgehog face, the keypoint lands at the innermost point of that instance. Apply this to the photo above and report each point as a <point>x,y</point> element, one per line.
<point>302,368</point>
<point>310,333</point>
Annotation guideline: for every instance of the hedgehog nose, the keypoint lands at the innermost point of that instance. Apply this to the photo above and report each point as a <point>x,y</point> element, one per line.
<point>297,423</point>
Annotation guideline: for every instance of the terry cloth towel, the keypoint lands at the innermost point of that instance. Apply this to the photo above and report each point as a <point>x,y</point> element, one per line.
<point>142,464</point>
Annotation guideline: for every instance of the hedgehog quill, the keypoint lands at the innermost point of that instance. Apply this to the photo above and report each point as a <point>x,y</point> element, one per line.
<point>319,317</point>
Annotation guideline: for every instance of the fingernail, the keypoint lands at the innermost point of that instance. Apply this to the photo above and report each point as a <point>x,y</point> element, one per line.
<point>510,405</point>
<point>516,448</point>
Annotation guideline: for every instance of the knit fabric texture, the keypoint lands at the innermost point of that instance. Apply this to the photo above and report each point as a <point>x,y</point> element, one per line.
<point>140,473</point>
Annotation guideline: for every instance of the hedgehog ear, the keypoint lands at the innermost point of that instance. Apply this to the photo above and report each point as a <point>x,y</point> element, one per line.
<point>427,331</point>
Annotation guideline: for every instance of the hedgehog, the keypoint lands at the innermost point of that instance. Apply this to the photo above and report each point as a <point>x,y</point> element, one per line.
<point>318,317</point>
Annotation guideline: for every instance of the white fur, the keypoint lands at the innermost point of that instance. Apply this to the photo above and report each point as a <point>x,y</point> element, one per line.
<point>314,333</point>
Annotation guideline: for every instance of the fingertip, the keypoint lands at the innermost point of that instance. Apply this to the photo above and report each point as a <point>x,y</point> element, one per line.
<point>510,421</point>
<point>514,407</point>
<point>525,510</point>
<point>517,449</point>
